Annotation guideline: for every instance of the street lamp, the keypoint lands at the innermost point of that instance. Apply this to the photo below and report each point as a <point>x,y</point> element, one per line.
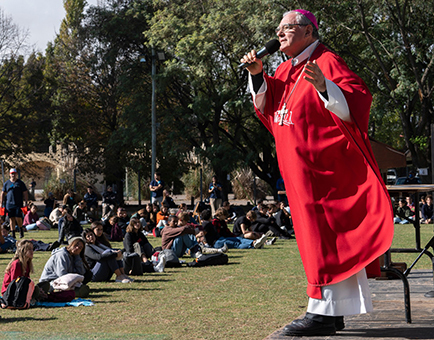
<point>161,57</point>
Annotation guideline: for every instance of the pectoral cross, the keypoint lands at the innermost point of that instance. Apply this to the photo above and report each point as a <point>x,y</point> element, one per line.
<point>282,113</point>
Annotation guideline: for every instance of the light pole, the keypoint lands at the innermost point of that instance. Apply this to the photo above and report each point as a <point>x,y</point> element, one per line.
<point>153,115</point>
<point>161,57</point>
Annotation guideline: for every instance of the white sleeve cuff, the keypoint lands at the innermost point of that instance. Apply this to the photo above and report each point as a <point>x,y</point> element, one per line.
<point>258,98</point>
<point>336,102</point>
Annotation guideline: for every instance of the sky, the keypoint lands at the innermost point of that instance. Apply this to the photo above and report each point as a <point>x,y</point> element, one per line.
<point>41,17</point>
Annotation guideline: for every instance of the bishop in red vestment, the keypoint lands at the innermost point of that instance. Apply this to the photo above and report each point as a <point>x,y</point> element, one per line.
<point>318,110</point>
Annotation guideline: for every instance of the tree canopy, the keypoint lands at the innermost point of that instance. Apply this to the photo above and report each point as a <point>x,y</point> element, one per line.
<point>91,89</point>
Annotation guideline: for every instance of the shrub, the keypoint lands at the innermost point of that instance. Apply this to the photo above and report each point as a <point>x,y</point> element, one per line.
<point>59,186</point>
<point>242,185</point>
<point>191,181</point>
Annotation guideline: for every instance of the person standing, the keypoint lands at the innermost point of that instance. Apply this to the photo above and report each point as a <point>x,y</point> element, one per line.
<point>318,110</point>
<point>13,195</point>
<point>215,198</point>
<point>156,187</point>
<point>32,187</point>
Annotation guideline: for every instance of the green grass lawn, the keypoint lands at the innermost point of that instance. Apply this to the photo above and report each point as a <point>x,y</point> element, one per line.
<point>258,292</point>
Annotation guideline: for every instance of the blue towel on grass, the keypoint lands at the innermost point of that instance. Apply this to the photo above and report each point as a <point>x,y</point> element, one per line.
<point>74,303</point>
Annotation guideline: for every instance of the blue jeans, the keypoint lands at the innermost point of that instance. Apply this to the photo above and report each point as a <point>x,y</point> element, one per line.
<point>400,220</point>
<point>234,242</point>
<point>103,270</point>
<point>31,226</point>
<point>182,243</point>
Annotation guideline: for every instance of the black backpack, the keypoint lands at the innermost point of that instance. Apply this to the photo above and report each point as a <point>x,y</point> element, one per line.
<point>209,260</point>
<point>18,294</point>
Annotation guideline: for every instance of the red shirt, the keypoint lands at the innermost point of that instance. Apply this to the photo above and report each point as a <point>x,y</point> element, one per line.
<point>15,271</point>
<point>342,213</point>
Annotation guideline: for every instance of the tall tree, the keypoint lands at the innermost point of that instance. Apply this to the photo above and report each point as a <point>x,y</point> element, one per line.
<point>207,97</point>
<point>23,104</point>
<point>390,44</point>
<point>104,91</point>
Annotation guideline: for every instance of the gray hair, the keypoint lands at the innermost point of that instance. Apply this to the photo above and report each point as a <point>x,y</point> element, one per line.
<point>302,20</point>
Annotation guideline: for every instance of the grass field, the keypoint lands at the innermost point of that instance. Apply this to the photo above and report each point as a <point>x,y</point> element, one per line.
<point>258,292</point>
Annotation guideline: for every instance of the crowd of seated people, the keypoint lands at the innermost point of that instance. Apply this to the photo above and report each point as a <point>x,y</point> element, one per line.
<point>89,253</point>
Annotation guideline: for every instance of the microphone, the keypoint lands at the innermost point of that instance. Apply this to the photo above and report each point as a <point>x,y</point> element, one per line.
<point>269,48</point>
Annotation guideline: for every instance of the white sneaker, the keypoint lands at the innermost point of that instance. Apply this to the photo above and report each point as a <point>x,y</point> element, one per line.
<point>271,241</point>
<point>269,233</point>
<point>260,241</point>
<point>159,268</point>
<point>224,249</point>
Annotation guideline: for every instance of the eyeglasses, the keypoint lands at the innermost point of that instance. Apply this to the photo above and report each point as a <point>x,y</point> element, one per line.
<point>287,27</point>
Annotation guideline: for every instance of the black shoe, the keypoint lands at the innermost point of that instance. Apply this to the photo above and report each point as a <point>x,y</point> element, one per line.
<point>283,237</point>
<point>53,245</point>
<point>339,323</point>
<point>308,327</point>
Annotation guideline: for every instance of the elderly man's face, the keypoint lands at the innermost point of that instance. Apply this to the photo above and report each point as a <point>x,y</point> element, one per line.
<point>295,41</point>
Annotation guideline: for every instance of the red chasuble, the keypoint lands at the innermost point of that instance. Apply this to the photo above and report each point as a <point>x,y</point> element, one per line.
<point>342,214</point>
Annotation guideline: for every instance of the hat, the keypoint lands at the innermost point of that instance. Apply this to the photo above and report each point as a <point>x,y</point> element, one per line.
<point>13,170</point>
<point>308,15</point>
<point>72,239</point>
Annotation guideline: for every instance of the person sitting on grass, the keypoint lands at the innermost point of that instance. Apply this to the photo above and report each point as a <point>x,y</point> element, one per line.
<point>220,235</point>
<point>98,230</point>
<point>137,246</point>
<point>266,222</point>
<point>103,261</point>
<point>122,219</point>
<point>142,215</point>
<point>70,227</point>
<point>283,218</point>
<point>232,214</point>
<point>7,243</point>
<point>167,200</point>
<point>403,214</point>
<point>427,210</point>
<point>116,234</point>
<point>243,226</point>
<point>64,261</point>
<point>31,218</point>
<point>179,236</point>
<point>50,203</point>
<point>80,211</point>
<point>162,217</point>
<point>21,265</point>
<point>56,214</point>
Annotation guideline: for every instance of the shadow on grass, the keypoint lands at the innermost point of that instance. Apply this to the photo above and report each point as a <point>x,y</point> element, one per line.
<point>151,280</point>
<point>109,290</point>
<point>5,319</point>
